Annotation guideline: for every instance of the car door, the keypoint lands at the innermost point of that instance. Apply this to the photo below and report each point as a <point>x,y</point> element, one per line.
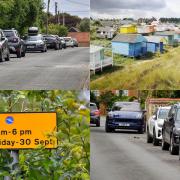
<point>4,43</point>
<point>169,124</point>
<point>152,122</point>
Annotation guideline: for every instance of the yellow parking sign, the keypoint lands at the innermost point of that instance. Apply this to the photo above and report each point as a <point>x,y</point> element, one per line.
<point>28,130</point>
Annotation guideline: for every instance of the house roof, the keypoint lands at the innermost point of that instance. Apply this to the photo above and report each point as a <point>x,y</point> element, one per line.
<point>107,23</point>
<point>166,33</point>
<point>74,29</point>
<point>128,38</point>
<point>155,39</point>
<point>106,28</point>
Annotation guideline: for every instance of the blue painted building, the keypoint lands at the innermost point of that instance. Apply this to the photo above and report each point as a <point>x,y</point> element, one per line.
<point>131,45</point>
<point>155,43</point>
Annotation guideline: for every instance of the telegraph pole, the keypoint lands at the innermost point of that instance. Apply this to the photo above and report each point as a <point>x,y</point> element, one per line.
<point>56,11</point>
<point>47,20</point>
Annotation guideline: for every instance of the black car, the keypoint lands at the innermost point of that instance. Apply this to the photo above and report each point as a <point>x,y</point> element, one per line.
<point>125,115</point>
<point>16,44</point>
<point>94,114</point>
<point>53,42</point>
<point>171,130</point>
<point>35,43</point>
<point>4,47</point>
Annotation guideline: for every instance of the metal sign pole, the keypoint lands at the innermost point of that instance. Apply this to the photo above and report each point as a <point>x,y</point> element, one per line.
<point>15,155</point>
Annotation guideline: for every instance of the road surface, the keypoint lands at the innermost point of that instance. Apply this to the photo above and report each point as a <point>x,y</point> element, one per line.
<point>63,69</point>
<point>127,156</point>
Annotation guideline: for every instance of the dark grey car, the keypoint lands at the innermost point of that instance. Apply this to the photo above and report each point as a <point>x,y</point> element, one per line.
<point>4,47</point>
<point>35,43</point>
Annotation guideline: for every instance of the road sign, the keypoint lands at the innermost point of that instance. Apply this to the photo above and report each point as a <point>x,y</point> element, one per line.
<point>27,130</point>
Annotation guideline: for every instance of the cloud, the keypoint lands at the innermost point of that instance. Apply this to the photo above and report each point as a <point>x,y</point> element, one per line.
<point>127,4</point>
<point>134,8</point>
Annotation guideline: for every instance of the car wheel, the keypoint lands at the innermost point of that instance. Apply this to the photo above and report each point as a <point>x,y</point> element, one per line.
<point>172,149</point>
<point>56,47</point>
<point>141,131</point>
<point>155,140</point>
<point>7,57</point>
<point>19,53</point>
<point>164,145</point>
<point>1,57</point>
<point>149,138</point>
<point>108,129</point>
<point>98,123</point>
<point>23,54</point>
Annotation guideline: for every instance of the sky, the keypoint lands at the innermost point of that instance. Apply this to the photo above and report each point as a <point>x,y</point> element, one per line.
<point>80,8</point>
<point>135,8</point>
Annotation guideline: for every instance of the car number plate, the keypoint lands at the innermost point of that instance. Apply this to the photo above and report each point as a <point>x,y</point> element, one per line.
<point>123,124</point>
<point>31,47</point>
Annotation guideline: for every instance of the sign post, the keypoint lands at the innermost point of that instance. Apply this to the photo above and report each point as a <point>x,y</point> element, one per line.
<point>27,131</point>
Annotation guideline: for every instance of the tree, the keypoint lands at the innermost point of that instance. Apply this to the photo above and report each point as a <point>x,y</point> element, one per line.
<point>84,25</point>
<point>57,29</point>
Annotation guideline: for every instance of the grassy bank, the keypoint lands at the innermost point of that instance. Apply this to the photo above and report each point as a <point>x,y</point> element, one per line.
<point>161,72</point>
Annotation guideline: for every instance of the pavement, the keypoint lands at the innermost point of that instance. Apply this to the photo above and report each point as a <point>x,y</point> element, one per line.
<point>125,155</point>
<point>66,69</point>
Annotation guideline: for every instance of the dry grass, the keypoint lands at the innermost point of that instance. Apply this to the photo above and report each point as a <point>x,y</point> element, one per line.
<point>160,73</point>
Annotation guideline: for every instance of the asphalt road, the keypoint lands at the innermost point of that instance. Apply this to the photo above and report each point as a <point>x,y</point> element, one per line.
<point>63,69</point>
<point>127,156</point>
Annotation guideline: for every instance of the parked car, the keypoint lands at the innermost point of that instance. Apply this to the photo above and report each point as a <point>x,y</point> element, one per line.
<point>69,42</point>
<point>75,42</point>
<point>35,43</point>
<point>59,40</point>
<point>63,42</point>
<point>154,125</point>
<point>125,115</point>
<point>94,114</point>
<point>171,130</point>
<point>4,47</point>
<point>52,42</point>
<point>16,44</point>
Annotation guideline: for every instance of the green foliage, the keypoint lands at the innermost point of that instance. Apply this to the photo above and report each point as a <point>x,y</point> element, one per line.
<point>84,25</point>
<point>57,29</point>
<point>71,159</point>
<point>21,14</point>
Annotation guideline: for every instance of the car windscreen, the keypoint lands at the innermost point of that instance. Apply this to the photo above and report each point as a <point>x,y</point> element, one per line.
<point>126,107</point>
<point>67,39</point>
<point>33,38</point>
<point>178,115</point>
<point>163,113</point>
<point>49,37</point>
<point>9,33</point>
<point>93,107</point>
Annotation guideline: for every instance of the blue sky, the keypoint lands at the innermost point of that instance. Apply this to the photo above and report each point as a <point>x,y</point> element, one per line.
<point>135,8</point>
<point>74,7</point>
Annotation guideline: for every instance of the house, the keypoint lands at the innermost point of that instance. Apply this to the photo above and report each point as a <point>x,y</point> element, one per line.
<point>83,38</point>
<point>105,32</point>
<point>98,60</point>
<point>132,45</point>
<point>145,29</point>
<point>169,35</point>
<point>128,29</point>
<point>155,43</point>
<point>73,29</point>
<point>177,36</point>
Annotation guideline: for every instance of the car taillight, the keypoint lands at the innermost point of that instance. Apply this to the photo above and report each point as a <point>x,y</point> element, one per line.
<point>15,40</point>
<point>97,113</point>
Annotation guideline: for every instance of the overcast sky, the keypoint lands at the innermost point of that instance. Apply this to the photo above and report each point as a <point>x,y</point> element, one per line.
<point>135,8</point>
<point>74,7</point>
